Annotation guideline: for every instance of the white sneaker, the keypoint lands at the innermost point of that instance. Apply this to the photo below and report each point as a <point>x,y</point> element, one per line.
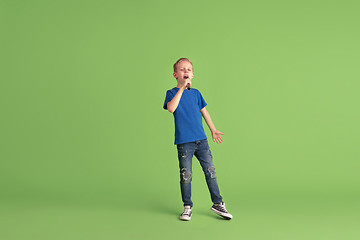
<point>219,209</point>
<point>186,215</point>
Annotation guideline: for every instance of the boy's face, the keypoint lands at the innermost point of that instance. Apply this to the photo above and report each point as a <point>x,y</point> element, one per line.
<point>183,70</point>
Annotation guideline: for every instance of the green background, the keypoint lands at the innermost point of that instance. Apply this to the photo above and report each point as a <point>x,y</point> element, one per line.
<point>87,150</point>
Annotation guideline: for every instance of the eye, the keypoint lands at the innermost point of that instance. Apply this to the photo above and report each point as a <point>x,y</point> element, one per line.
<point>189,69</point>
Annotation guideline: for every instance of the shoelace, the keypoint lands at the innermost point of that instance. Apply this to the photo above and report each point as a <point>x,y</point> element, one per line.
<point>222,207</point>
<point>187,211</point>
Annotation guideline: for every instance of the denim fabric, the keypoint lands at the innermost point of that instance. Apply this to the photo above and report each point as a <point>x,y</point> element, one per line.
<point>202,152</point>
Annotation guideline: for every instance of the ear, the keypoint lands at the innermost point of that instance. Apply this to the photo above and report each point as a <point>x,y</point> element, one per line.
<point>175,75</point>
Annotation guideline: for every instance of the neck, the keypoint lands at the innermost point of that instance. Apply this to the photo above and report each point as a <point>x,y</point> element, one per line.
<point>178,85</point>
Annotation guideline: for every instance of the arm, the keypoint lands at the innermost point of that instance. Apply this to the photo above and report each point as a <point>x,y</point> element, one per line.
<point>215,133</point>
<point>173,104</point>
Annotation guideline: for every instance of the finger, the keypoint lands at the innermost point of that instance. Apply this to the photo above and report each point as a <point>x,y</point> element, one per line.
<point>213,139</point>
<point>221,139</point>
<point>221,133</point>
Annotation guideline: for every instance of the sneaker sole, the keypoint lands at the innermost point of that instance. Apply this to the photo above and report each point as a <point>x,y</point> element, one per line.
<point>185,219</point>
<point>226,216</point>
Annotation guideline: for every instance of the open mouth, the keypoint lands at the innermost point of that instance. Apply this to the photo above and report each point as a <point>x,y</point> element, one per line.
<point>186,77</point>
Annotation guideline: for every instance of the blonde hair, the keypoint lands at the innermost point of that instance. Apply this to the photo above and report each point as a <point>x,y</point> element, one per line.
<point>180,60</point>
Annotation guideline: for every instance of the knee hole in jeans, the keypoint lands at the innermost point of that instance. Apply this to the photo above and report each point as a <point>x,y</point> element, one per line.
<point>185,175</point>
<point>212,173</point>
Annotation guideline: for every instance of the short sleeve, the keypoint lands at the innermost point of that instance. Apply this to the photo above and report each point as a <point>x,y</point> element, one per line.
<point>168,98</point>
<point>201,101</point>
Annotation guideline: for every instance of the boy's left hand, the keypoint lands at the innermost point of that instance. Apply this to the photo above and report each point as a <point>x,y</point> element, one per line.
<point>216,136</point>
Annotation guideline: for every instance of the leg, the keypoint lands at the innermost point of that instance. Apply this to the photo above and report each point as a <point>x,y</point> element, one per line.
<point>185,154</point>
<point>203,154</point>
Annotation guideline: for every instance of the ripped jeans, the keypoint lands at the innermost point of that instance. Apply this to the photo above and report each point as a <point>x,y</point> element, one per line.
<point>202,152</point>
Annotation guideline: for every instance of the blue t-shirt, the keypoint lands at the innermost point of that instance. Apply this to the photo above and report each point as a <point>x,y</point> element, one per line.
<point>187,116</point>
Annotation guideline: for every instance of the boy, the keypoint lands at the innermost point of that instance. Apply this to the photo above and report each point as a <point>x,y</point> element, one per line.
<point>188,108</point>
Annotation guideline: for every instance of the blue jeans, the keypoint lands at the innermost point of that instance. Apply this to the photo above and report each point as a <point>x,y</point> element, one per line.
<point>202,152</point>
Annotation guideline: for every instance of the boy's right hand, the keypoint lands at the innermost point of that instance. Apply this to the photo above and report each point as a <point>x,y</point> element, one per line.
<point>185,82</point>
